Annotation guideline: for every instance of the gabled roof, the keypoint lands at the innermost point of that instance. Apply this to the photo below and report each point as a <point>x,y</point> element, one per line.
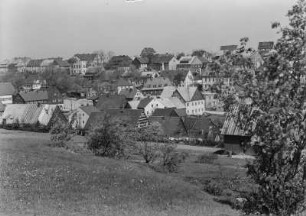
<point>111,101</point>
<point>181,112</point>
<point>167,92</point>
<point>61,63</point>
<point>86,57</point>
<point>171,126</point>
<point>162,58</point>
<point>133,104</point>
<point>228,48</point>
<point>40,95</point>
<point>165,112</point>
<point>177,103</point>
<point>144,60</point>
<point>94,118</point>
<point>186,59</point>
<point>144,102</point>
<point>128,116</point>
<point>6,88</point>
<point>89,109</point>
<point>175,74</point>
<point>158,82</point>
<point>187,92</point>
<point>119,61</point>
<point>267,45</point>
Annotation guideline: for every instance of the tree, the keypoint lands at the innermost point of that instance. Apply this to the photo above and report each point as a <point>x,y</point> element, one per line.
<point>147,52</point>
<point>198,53</point>
<point>275,118</point>
<point>110,137</point>
<point>148,137</point>
<point>179,55</point>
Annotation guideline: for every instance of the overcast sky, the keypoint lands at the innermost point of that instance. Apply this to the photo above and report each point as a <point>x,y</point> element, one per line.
<point>44,28</point>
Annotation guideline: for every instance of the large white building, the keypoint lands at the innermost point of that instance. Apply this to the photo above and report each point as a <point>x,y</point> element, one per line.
<point>80,63</point>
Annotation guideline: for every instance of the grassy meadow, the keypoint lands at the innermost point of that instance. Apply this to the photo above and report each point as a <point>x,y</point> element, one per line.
<point>36,179</point>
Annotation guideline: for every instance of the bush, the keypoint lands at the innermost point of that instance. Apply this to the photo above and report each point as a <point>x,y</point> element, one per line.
<point>207,158</point>
<point>214,188</point>
<point>109,138</point>
<point>60,133</point>
<point>170,158</point>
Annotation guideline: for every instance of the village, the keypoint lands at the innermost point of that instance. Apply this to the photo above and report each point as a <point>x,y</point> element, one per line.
<point>182,93</point>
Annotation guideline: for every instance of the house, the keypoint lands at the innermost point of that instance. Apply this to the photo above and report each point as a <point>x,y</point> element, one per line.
<point>111,102</point>
<point>154,87</point>
<point>141,63</point>
<point>149,74</point>
<point>70,104</point>
<point>228,48</point>
<point>265,47</point>
<point>121,63</point>
<point>44,96</point>
<point>81,116</point>
<point>192,63</point>
<point>2,108</point>
<point>135,118</point>
<point>172,126</point>
<point>131,94</point>
<point>34,84</point>
<point>32,114</point>
<point>123,84</point>
<point>148,105</point>
<point>172,102</point>
<point>192,98</point>
<point>166,112</point>
<point>211,101</point>
<point>7,92</point>
<point>167,92</point>
<point>80,63</point>
<point>205,127</point>
<point>179,77</point>
<point>34,66</point>
<point>234,137</point>
<point>161,62</point>
<point>173,63</point>
<point>21,63</point>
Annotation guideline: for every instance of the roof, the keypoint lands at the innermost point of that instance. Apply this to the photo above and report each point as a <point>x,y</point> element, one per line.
<point>129,116</point>
<point>34,63</point>
<point>166,102</point>
<point>171,126</point>
<point>144,102</point>
<point>167,92</point>
<point>62,63</point>
<point>111,101</point>
<point>173,75</point>
<point>181,112</point>
<point>144,60</point>
<point>162,58</point>
<point>134,104</point>
<point>40,95</point>
<point>187,92</point>
<point>228,48</point>
<point>158,82</point>
<point>265,45</point>
<point>86,57</point>
<point>118,61</point>
<point>94,117</point>
<point>165,112</point>
<point>89,109</point>
<point>177,103</point>
<point>7,88</point>
<point>186,59</point>
<point>230,126</point>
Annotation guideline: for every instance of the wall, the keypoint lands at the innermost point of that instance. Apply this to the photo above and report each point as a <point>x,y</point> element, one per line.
<point>6,99</point>
<point>195,107</point>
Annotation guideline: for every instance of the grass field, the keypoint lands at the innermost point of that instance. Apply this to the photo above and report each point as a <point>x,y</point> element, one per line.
<point>36,179</point>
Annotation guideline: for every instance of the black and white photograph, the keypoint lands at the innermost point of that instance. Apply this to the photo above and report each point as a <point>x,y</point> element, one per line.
<point>153,108</point>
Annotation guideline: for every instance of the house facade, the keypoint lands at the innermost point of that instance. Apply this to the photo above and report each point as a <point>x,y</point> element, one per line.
<point>7,92</point>
<point>154,87</point>
<point>80,63</point>
<point>81,116</point>
<point>45,96</point>
<point>148,105</point>
<point>192,63</point>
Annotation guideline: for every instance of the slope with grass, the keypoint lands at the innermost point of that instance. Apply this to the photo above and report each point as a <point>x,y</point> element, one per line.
<point>36,179</point>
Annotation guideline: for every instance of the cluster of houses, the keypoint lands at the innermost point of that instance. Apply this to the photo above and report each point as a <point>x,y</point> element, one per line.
<point>174,92</point>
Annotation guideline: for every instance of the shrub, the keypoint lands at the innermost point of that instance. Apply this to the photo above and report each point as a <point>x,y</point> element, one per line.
<point>109,138</point>
<point>61,132</point>
<point>213,188</point>
<point>207,158</point>
<point>170,158</point>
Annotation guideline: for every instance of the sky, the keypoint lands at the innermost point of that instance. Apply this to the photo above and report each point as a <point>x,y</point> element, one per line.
<point>44,28</point>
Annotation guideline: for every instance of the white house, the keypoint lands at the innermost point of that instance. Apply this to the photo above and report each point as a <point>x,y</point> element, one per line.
<point>149,105</point>
<point>173,63</point>
<point>192,98</point>
<point>7,91</point>
<point>70,104</point>
<point>80,63</point>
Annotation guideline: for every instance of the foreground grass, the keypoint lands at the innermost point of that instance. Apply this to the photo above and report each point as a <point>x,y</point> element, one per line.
<point>39,180</point>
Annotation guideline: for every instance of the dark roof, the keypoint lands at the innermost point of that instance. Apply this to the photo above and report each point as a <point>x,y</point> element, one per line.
<point>181,112</point>
<point>144,102</point>
<point>265,45</point>
<point>228,48</point>
<point>94,118</point>
<point>144,60</point>
<point>86,57</point>
<point>118,61</point>
<point>111,101</point>
<point>128,116</point>
<point>171,126</point>
<point>165,112</point>
<point>89,109</point>
<point>171,74</point>
<point>6,88</point>
<point>35,63</point>
<point>40,95</point>
<point>162,58</point>
<point>61,63</point>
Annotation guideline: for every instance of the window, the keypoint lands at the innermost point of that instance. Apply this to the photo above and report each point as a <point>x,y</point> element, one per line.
<point>187,104</point>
